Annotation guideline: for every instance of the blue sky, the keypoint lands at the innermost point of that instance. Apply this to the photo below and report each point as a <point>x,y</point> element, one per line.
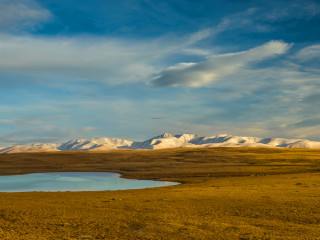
<point>137,68</point>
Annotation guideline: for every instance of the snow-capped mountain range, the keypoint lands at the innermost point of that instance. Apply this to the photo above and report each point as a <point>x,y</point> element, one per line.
<point>165,140</point>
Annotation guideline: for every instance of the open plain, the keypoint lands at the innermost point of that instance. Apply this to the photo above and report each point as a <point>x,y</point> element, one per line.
<point>226,193</point>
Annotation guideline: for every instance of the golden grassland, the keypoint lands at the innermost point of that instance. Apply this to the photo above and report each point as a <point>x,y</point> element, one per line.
<point>227,193</point>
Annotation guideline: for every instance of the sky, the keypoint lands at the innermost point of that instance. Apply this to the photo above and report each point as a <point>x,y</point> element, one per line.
<point>135,69</point>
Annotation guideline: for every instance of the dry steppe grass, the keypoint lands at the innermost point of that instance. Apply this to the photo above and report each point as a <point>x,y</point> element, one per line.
<point>227,193</point>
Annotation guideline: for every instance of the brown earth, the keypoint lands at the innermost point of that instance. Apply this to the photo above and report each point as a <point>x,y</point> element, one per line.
<point>227,193</point>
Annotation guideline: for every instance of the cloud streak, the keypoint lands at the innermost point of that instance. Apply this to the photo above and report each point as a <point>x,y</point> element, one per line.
<point>308,53</point>
<point>217,67</point>
<point>21,15</point>
<point>109,60</point>
<point>89,59</point>
<point>295,10</point>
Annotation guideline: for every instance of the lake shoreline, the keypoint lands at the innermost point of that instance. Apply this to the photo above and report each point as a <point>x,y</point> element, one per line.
<point>74,182</point>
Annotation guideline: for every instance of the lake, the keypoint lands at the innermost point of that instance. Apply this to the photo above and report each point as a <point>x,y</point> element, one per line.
<point>74,181</point>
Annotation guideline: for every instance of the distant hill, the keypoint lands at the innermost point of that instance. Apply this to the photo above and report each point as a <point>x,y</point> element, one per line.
<point>165,140</point>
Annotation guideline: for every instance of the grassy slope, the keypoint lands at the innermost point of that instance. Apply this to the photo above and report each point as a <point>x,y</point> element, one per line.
<point>228,193</point>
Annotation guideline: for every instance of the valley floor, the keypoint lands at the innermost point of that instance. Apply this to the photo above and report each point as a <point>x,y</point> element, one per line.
<point>227,193</point>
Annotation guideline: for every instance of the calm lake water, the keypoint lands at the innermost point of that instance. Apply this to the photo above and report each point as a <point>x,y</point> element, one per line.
<point>74,181</point>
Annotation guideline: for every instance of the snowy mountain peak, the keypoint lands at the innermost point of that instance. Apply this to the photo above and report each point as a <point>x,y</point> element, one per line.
<point>223,135</point>
<point>187,136</point>
<point>92,143</point>
<point>164,135</point>
<point>166,140</point>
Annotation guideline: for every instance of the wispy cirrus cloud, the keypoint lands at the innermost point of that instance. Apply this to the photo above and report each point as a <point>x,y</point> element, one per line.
<point>294,10</point>
<point>19,15</point>
<point>257,19</point>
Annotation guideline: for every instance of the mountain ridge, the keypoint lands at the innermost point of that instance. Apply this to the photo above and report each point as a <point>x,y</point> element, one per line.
<point>166,140</point>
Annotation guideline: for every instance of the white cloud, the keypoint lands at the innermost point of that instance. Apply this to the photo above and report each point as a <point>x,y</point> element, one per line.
<point>217,67</point>
<point>308,53</point>
<point>198,36</point>
<point>21,14</point>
